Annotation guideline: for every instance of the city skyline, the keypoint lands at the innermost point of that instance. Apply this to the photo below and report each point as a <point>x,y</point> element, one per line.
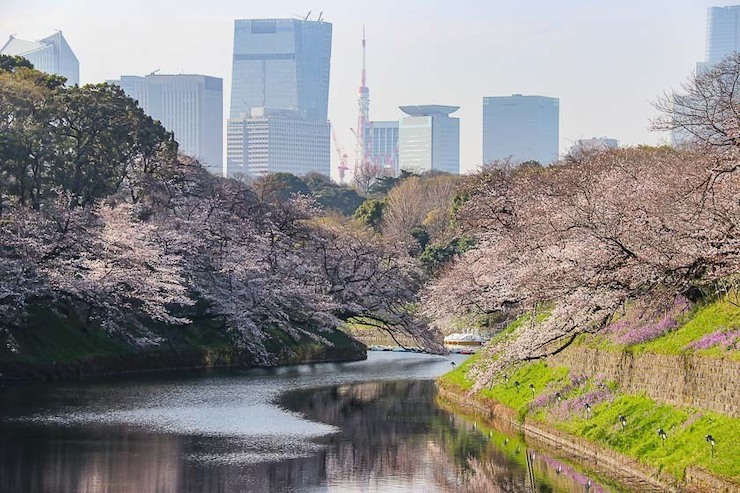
<point>486,49</point>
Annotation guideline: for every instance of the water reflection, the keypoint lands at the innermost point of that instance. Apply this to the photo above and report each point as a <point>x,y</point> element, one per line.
<point>394,438</point>
<point>321,428</point>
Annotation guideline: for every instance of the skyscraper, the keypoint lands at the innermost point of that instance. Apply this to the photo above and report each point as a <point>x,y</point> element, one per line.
<point>522,128</point>
<point>723,32</point>
<point>429,139</point>
<point>51,54</point>
<point>381,143</point>
<point>594,144</point>
<point>276,141</point>
<point>722,39</point>
<point>190,106</point>
<point>280,71</point>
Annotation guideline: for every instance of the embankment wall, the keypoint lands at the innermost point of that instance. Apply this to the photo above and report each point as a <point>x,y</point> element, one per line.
<point>685,380</point>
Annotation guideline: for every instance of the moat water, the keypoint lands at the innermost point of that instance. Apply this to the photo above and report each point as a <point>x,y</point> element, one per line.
<point>369,426</point>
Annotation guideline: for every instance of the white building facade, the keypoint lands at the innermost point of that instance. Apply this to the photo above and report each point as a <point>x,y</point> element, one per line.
<point>275,141</point>
<point>429,139</point>
<point>51,54</point>
<point>190,106</point>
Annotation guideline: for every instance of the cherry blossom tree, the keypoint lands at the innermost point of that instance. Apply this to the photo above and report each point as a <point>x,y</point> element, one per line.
<point>578,240</point>
<point>99,214</point>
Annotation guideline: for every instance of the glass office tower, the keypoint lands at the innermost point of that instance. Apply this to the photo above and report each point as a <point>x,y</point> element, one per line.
<point>281,71</point>
<point>521,128</point>
<point>429,139</point>
<point>723,32</point>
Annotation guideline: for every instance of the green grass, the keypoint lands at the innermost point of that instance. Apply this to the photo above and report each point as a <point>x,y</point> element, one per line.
<point>702,320</point>
<point>458,376</point>
<point>686,430</point>
<point>54,336</point>
<point>543,377</point>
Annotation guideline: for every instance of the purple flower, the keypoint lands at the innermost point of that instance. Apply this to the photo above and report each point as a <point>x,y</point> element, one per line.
<point>721,337</point>
<point>566,410</point>
<point>543,399</point>
<point>578,380</point>
<point>648,332</point>
<point>639,324</point>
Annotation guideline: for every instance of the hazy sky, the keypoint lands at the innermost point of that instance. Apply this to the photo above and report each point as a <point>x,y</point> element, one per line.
<point>606,61</point>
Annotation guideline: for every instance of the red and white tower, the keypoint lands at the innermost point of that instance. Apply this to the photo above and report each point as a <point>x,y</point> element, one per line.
<point>363,115</point>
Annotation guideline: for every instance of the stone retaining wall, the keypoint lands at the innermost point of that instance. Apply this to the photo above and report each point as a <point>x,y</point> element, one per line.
<point>685,380</point>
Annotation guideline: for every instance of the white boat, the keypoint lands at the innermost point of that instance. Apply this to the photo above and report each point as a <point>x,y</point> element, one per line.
<point>464,339</point>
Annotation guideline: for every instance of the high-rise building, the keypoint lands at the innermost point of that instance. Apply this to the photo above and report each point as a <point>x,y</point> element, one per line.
<point>281,72</point>
<point>723,32</point>
<point>596,144</point>
<point>281,64</point>
<point>429,139</point>
<point>190,106</point>
<point>381,145</point>
<point>277,141</point>
<point>521,128</point>
<point>51,54</point>
<point>722,39</point>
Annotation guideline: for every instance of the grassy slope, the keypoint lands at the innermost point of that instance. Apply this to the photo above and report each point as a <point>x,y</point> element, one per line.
<point>60,336</point>
<point>686,428</point>
<point>702,320</point>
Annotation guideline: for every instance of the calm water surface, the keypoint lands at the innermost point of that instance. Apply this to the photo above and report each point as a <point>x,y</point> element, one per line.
<point>351,427</point>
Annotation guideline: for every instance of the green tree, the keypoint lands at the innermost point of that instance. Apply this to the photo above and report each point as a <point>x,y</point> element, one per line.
<point>370,213</point>
<point>333,197</point>
<point>28,139</point>
<point>9,63</point>
<point>81,142</point>
<point>106,140</point>
<point>438,254</point>
<point>384,184</point>
<point>279,187</point>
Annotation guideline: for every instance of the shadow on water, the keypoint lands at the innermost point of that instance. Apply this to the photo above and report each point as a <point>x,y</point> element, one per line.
<point>309,428</point>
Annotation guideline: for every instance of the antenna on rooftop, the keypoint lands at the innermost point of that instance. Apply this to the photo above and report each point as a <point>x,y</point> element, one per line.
<point>307,15</point>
